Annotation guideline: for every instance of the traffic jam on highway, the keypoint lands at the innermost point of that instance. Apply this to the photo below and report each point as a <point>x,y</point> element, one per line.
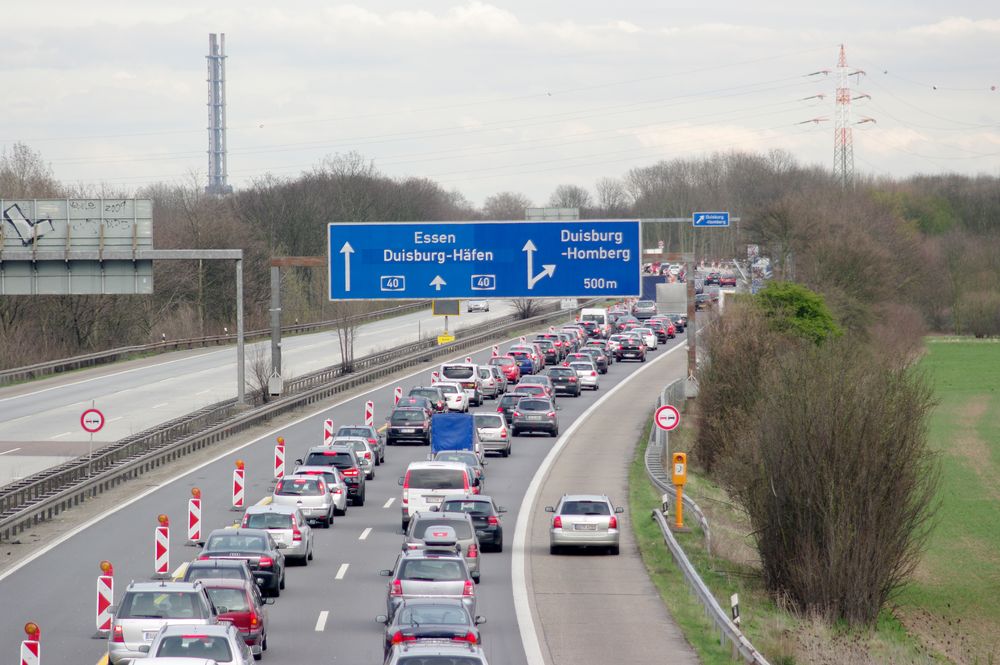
<point>462,418</point>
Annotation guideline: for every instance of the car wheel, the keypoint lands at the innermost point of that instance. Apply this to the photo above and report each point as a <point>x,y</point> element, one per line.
<point>263,645</point>
<point>281,584</point>
<point>505,452</point>
<point>361,500</point>
<point>596,387</point>
<point>337,511</point>
<point>555,432</point>
<point>372,476</point>
<point>404,524</point>
<point>499,546</point>
<point>310,557</point>
<point>553,549</point>
<point>390,442</point>
<point>258,656</point>
<point>643,359</point>
<point>615,550</point>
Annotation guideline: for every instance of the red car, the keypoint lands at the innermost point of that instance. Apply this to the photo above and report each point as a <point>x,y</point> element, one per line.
<point>507,365</point>
<point>240,602</point>
<point>727,280</point>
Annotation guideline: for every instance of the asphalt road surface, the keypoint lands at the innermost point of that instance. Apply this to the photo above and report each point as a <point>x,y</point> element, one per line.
<point>57,589</point>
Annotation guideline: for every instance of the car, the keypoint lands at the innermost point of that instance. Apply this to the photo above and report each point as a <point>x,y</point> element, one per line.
<point>408,424</point>
<point>476,464</point>
<point>649,337</point>
<point>427,484</point>
<point>467,376</point>
<point>217,569</point>
<point>488,386</point>
<point>549,351</point>
<point>363,450</point>
<point>454,396</point>
<point>335,482</point>
<point>622,321</point>
<point>493,433</point>
<point>435,652</point>
<point>509,402</point>
<point>592,328</point>
<point>145,607</point>
<point>603,345</point>
<point>423,523</point>
<point>437,570</point>
<point>570,342</point>
<point>534,352</point>
<point>680,322</point>
<point>584,520</point>
<point>222,643</point>
<point>309,494</point>
<point>375,439</point>
<point>507,365</point>
<point>477,305</point>
<point>525,364</point>
<point>664,331</point>
<point>421,619</point>
<point>257,548</point>
<point>533,389</point>
<point>564,380</point>
<point>586,371</point>
<point>713,278</point>
<point>416,402</point>
<point>557,342</point>
<point>643,309</point>
<point>434,394</point>
<point>346,461</point>
<point>287,525</point>
<point>500,377</point>
<point>540,380</point>
<point>599,357</point>
<point>702,301</point>
<point>534,414</point>
<point>728,280</point>
<point>486,517</point>
<point>630,347</point>
<point>240,603</point>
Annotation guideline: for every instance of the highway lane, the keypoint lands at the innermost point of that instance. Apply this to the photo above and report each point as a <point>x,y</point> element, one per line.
<point>39,417</point>
<point>57,589</point>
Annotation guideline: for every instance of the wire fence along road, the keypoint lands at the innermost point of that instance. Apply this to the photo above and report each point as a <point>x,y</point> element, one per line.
<point>43,495</point>
<point>655,454</point>
<point>124,352</point>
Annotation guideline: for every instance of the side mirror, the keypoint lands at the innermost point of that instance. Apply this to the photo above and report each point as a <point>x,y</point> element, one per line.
<point>299,462</point>
<point>400,480</point>
<point>269,601</point>
<point>385,573</point>
<point>619,510</point>
<point>550,509</point>
<point>144,648</point>
<point>381,618</point>
<point>435,509</point>
<point>480,621</point>
<point>221,609</point>
<point>484,463</point>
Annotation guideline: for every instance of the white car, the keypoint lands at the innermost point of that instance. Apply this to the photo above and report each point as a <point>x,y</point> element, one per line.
<point>335,481</point>
<point>490,387</point>
<point>477,306</point>
<point>493,433</point>
<point>587,373</point>
<point>454,396</point>
<point>648,336</point>
<point>363,449</point>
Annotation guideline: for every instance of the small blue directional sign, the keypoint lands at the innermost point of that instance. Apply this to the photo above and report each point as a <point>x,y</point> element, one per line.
<point>710,218</point>
<point>564,259</point>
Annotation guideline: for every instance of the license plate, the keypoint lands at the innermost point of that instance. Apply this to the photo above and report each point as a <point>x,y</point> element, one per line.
<point>408,430</point>
<point>433,499</point>
<point>534,417</point>
<point>585,527</point>
<point>632,355</point>
<point>149,636</point>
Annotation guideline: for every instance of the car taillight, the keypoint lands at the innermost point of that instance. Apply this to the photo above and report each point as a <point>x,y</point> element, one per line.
<point>572,379</point>
<point>266,562</point>
<point>492,520</point>
<point>469,589</point>
<point>397,588</point>
<point>296,533</point>
<point>551,414</point>
<point>465,479</point>
<point>503,432</point>
<point>458,398</point>
<point>499,409</point>
<point>593,373</point>
<point>613,522</point>
<point>118,635</point>
<point>204,557</point>
<point>337,490</point>
<point>372,441</point>
<point>473,551</point>
<point>557,522</point>
<point>254,619</point>
<point>350,472</point>
<point>517,414</point>
<point>368,455</point>
<point>468,637</point>
<point>399,638</point>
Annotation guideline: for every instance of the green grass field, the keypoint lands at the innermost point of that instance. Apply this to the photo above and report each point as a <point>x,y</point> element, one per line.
<point>954,602</point>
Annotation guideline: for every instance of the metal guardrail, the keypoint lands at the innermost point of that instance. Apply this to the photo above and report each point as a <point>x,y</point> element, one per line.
<point>728,631</point>
<point>112,355</point>
<point>44,495</point>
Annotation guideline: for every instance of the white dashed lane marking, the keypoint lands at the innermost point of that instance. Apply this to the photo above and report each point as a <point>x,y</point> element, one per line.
<point>321,621</point>
<point>389,502</point>
<point>364,534</point>
<point>342,571</point>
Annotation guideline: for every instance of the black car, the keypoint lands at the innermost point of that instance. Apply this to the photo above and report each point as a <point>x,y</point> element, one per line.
<point>624,320</point>
<point>662,332</point>
<point>680,322</point>
<point>439,619</point>
<point>433,393</point>
<point>599,356</point>
<point>593,330</point>
<point>702,301</point>
<point>549,350</point>
<point>564,380</point>
<point>557,341</point>
<point>507,404</point>
<point>257,548</point>
<point>408,424</point>
<point>713,278</point>
<point>631,348</point>
<point>346,461</point>
<point>485,518</point>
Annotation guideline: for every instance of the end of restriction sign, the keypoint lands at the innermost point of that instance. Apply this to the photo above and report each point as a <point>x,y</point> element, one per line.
<point>667,417</point>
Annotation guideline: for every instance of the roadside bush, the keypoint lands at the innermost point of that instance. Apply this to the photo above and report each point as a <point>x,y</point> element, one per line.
<point>979,313</point>
<point>836,477</point>
<point>792,308</point>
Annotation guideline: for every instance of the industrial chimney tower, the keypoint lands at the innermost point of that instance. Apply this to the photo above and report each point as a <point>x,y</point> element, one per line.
<point>217,171</point>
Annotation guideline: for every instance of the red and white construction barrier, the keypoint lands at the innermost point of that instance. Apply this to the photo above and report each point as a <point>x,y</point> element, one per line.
<point>397,394</point>
<point>31,647</point>
<point>105,597</point>
<point>435,377</point>
<point>468,359</point>
<point>327,432</point>
<point>239,485</point>
<point>161,548</point>
<point>496,351</point>
<point>279,458</point>
<point>194,517</point>
<point>523,340</point>
<point>552,329</point>
<point>370,413</point>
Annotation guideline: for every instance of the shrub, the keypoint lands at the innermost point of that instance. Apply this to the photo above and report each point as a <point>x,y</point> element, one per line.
<point>792,308</point>
<point>979,313</point>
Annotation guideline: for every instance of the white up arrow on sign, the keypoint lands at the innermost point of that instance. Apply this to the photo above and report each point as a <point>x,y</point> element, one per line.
<point>437,283</point>
<point>347,250</point>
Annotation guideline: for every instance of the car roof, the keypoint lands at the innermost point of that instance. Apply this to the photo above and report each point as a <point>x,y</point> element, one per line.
<point>432,464</point>
<point>443,514</point>
<point>240,531</point>
<point>213,629</point>
<point>336,448</point>
<point>218,563</point>
<point>306,469</point>
<point>354,427</point>
<point>226,583</point>
<point>585,497</point>
<point>165,586</point>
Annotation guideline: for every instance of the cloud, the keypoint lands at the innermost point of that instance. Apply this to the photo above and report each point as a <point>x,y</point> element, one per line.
<point>956,26</point>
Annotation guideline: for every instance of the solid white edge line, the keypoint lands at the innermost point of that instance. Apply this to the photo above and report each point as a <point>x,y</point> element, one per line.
<point>342,571</point>
<point>387,503</point>
<point>312,414</point>
<point>364,534</point>
<point>519,583</point>
<point>321,621</point>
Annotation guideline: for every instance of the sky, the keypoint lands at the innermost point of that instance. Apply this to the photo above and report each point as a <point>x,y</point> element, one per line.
<point>489,96</point>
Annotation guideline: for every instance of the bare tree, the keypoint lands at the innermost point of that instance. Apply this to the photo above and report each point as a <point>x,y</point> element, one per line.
<point>612,197</point>
<point>506,206</point>
<point>345,313</point>
<point>526,307</point>
<point>258,372</point>
<point>24,174</point>
<point>570,196</point>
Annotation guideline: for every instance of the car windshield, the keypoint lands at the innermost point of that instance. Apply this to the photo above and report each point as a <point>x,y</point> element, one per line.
<point>582,367</point>
<point>431,570</point>
<point>234,600</point>
<point>488,420</point>
<point>339,459</point>
<point>203,647</point>
<point>363,432</point>
<point>161,605</point>
<point>585,508</point>
<point>457,456</point>
<point>457,371</point>
<point>532,389</point>
<point>521,355</point>
<point>407,417</point>
<point>329,477</point>
<point>510,399</point>
<point>359,446</point>
<point>503,362</point>
<point>419,615</point>
<point>429,393</point>
<point>450,390</point>
<point>299,487</point>
<point>484,373</point>
<point>437,479</point>
<point>196,572</point>
<point>463,530</point>
<point>561,371</point>
<point>235,543</point>
<point>269,521</point>
<point>463,506</point>
<point>533,405</point>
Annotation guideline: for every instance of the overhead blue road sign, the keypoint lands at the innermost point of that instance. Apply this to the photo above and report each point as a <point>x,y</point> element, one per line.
<point>710,218</point>
<point>564,259</point>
